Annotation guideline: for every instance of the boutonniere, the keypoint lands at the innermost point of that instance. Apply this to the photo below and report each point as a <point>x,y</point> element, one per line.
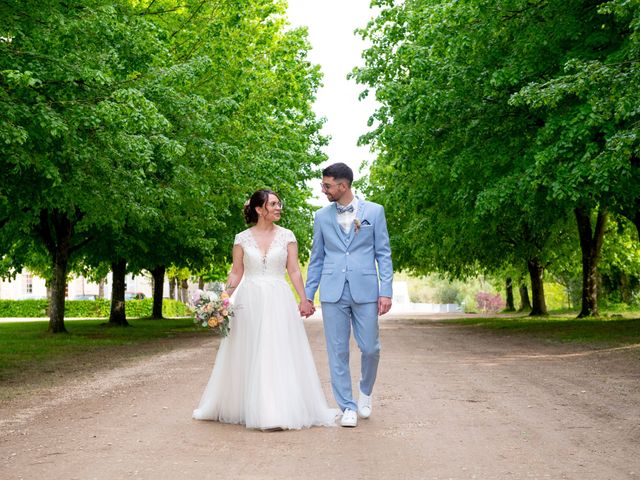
<point>356,224</point>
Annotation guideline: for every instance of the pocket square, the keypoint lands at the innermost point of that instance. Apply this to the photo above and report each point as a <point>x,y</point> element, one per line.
<point>365,222</point>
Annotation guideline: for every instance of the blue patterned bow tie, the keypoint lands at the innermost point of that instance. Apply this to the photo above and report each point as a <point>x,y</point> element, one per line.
<point>341,209</point>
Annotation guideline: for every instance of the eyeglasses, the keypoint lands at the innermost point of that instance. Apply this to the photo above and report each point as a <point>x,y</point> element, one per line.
<point>275,204</point>
<point>327,186</point>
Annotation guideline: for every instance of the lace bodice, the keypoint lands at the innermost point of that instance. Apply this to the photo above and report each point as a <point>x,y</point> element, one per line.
<point>256,262</point>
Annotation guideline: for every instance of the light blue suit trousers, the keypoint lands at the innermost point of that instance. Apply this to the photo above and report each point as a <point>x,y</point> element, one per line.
<point>338,318</point>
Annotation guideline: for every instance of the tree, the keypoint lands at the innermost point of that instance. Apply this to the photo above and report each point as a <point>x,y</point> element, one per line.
<point>451,148</point>
<point>139,129</point>
<point>475,172</point>
<point>257,129</point>
<point>77,132</point>
<point>509,303</point>
<point>587,146</point>
<point>619,269</point>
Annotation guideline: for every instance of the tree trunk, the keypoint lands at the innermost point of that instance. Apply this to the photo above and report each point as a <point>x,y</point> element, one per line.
<point>525,303</point>
<point>185,290</point>
<point>201,283</point>
<point>48,287</point>
<point>118,314</point>
<point>172,288</point>
<point>626,293</point>
<point>56,230</point>
<point>58,240</point>
<point>101,288</point>
<point>509,293</point>
<point>634,215</point>
<point>591,247</point>
<point>158,291</point>
<point>58,287</point>
<point>538,304</point>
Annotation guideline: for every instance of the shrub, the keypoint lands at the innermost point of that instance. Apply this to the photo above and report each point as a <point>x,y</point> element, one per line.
<point>99,308</point>
<point>87,308</point>
<point>174,308</point>
<point>488,302</point>
<point>448,293</point>
<point>143,308</point>
<point>23,308</point>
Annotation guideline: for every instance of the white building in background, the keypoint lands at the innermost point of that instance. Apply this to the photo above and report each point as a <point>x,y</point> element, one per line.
<point>402,303</point>
<point>26,286</point>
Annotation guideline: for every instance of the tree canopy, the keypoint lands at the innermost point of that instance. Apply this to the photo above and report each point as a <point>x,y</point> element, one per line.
<point>500,121</point>
<point>134,131</point>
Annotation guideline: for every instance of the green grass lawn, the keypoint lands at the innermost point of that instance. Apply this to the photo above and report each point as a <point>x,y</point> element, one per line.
<point>28,352</point>
<point>600,332</point>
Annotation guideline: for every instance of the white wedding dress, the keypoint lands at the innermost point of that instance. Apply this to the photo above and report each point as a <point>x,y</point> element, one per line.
<point>264,375</point>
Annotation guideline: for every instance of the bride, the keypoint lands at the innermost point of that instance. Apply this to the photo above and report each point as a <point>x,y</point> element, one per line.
<point>264,375</point>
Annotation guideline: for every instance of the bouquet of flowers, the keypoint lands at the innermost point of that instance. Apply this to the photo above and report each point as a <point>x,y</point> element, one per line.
<point>213,310</point>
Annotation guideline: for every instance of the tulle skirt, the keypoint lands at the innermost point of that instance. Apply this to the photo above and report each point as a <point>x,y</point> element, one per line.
<point>264,375</point>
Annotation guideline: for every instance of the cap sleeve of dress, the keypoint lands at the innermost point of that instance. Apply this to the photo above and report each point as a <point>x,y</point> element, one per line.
<point>290,237</point>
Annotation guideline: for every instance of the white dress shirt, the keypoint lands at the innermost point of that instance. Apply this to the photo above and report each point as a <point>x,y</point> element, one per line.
<point>345,220</point>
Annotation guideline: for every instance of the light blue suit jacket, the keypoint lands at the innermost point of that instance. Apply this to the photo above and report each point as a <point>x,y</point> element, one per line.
<point>337,258</point>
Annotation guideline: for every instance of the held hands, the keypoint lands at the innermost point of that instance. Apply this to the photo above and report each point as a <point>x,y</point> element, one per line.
<point>306,308</point>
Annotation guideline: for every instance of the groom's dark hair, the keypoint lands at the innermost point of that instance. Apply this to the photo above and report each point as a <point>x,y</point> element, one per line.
<point>339,171</point>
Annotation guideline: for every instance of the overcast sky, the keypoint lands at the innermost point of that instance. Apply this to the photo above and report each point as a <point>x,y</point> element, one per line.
<point>337,50</point>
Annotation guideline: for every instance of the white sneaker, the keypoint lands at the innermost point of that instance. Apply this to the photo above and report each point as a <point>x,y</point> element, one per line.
<point>349,418</point>
<point>364,405</point>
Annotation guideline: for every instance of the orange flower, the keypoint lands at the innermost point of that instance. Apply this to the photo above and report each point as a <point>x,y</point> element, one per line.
<point>213,322</point>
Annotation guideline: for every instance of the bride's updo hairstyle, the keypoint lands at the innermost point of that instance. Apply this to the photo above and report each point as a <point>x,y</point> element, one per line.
<point>258,199</point>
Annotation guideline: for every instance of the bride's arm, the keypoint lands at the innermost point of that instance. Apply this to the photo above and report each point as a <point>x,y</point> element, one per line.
<point>293,269</point>
<point>237,269</point>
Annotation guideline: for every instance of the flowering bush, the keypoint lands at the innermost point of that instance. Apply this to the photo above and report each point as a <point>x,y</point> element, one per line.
<point>213,310</point>
<point>488,302</point>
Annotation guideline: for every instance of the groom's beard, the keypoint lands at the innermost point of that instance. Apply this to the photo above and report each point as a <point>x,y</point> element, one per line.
<point>333,198</point>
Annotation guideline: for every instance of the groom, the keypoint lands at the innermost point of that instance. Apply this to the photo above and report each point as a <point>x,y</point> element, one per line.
<point>349,238</point>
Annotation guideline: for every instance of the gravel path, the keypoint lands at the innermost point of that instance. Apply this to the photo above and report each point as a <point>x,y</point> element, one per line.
<point>451,402</point>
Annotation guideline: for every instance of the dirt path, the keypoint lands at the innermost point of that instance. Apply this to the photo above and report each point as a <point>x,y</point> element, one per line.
<point>451,402</point>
